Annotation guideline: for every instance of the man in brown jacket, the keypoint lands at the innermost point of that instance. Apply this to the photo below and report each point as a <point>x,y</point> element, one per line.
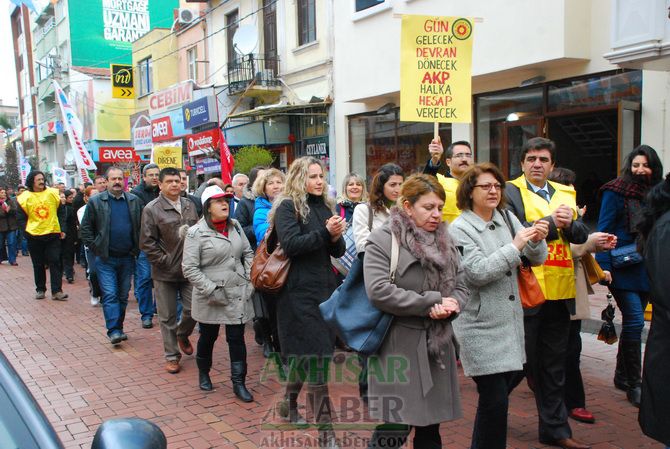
<point>163,243</point>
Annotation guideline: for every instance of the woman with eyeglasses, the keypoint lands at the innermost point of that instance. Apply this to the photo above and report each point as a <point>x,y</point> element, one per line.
<point>490,327</point>
<point>217,261</point>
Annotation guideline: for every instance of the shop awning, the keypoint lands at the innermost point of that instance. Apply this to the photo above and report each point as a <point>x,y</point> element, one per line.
<point>282,109</point>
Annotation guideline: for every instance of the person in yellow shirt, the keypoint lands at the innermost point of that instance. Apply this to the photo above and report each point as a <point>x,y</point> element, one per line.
<point>459,158</point>
<point>43,232</point>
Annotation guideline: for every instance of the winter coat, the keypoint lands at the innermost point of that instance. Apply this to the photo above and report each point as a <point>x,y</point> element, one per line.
<point>490,326</point>
<point>8,220</point>
<point>244,214</point>
<point>96,221</point>
<point>582,283</point>
<point>613,219</point>
<point>310,281</point>
<point>145,193</point>
<point>655,405</point>
<point>260,221</point>
<point>345,209</point>
<point>430,393</point>
<point>218,267</point>
<point>160,236</point>
<point>361,224</point>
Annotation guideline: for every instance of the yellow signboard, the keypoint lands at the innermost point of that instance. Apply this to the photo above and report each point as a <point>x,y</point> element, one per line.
<point>436,69</point>
<point>122,81</point>
<point>167,154</point>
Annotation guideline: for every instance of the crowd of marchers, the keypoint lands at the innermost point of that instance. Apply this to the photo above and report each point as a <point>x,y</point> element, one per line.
<point>462,231</point>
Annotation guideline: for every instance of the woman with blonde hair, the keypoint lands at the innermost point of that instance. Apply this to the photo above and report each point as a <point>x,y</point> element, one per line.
<point>266,188</point>
<point>309,233</point>
<point>353,193</point>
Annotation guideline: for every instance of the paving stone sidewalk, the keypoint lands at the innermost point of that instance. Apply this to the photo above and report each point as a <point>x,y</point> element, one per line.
<point>61,351</point>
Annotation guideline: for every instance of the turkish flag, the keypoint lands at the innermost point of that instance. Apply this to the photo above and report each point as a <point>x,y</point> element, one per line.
<point>227,161</point>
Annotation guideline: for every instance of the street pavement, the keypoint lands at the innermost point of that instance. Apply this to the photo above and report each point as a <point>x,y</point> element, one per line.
<point>61,351</point>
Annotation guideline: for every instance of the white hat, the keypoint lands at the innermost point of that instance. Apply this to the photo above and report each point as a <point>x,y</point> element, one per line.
<point>214,192</point>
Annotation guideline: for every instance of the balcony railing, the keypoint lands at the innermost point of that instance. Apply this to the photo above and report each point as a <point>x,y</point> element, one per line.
<point>261,68</point>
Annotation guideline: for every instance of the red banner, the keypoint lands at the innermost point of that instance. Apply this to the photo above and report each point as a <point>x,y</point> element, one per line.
<point>227,161</point>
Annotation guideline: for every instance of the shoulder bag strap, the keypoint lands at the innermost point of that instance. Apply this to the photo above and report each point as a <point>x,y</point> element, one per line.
<point>370,217</point>
<point>395,252</point>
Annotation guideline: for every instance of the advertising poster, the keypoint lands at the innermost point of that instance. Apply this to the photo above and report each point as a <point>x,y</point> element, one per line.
<point>167,154</point>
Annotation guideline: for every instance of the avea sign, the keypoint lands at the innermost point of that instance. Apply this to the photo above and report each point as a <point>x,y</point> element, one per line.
<point>118,154</point>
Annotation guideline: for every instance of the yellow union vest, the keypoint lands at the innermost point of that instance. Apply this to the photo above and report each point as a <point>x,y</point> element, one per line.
<point>557,276</point>
<point>42,211</point>
<point>449,212</point>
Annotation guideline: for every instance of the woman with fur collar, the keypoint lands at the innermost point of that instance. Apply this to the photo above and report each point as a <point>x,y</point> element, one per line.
<point>424,296</point>
<point>490,327</point>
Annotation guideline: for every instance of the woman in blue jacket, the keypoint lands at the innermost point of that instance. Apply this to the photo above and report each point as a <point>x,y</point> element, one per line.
<point>622,201</point>
<point>266,188</point>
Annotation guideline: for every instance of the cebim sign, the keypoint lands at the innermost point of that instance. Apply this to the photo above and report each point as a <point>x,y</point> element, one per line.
<point>203,143</point>
<point>171,97</point>
<point>118,154</point>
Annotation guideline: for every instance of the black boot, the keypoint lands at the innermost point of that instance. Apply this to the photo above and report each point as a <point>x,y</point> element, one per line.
<point>204,366</point>
<point>287,408</point>
<point>620,375</point>
<point>238,374</point>
<point>258,331</point>
<point>633,361</point>
<point>267,349</point>
<point>319,402</point>
<point>390,436</point>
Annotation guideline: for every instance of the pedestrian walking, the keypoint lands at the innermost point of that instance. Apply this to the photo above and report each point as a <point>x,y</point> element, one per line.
<point>424,295</point>
<point>162,240</point>
<point>89,255</point>
<point>68,244</point>
<point>622,201</point>
<point>110,229</point>
<point>490,326</point>
<point>217,262</point>
<point>310,234</point>
<point>41,204</point>
<point>8,225</point>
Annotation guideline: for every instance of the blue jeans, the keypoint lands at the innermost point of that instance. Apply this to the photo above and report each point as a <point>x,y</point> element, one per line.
<point>144,286</point>
<point>632,305</point>
<point>114,276</point>
<point>21,242</point>
<point>10,238</point>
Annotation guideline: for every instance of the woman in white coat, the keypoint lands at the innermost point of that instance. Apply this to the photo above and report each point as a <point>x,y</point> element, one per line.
<point>490,327</point>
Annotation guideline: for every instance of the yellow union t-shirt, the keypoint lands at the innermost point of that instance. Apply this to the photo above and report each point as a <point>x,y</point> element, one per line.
<point>42,211</point>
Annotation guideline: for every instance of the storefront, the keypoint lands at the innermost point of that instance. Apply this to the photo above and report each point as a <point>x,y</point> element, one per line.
<point>376,138</point>
<point>594,120</point>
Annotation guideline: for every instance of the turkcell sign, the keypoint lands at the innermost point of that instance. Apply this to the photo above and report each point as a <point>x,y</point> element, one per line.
<point>199,112</point>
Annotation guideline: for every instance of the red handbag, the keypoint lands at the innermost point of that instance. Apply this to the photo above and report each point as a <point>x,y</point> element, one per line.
<point>270,266</point>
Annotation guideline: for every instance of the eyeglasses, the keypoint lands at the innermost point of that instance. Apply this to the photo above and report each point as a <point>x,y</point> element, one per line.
<point>462,156</point>
<point>489,186</point>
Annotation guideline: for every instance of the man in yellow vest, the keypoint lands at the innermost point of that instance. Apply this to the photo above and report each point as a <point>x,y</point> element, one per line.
<point>41,204</point>
<point>532,197</point>
<point>459,159</point>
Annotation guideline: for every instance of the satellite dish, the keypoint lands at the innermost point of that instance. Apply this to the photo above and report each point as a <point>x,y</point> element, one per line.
<point>245,39</point>
<point>69,156</point>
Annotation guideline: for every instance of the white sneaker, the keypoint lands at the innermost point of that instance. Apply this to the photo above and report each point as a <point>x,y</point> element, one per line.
<point>95,301</point>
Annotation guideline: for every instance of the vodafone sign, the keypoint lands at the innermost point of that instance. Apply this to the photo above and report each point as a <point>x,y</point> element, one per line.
<point>202,143</point>
<point>118,154</point>
<point>161,129</point>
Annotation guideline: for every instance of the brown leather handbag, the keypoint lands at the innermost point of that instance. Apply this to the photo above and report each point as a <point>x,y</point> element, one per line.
<point>592,268</point>
<point>270,266</point>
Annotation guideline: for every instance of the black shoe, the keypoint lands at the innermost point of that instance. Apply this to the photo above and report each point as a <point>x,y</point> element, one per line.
<point>633,361</point>
<point>147,324</point>
<point>238,373</point>
<point>267,349</point>
<point>116,337</point>
<point>258,331</point>
<point>124,337</point>
<point>205,381</point>
<point>70,280</point>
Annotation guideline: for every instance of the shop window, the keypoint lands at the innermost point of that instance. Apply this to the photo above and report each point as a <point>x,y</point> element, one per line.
<point>365,4</point>
<point>306,21</point>
<point>378,139</point>
<point>314,125</point>
<point>146,77</point>
<point>594,91</point>
<point>191,56</point>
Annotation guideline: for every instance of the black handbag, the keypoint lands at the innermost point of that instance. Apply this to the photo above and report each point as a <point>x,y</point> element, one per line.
<point>350,313</point>
<point>625,256</point>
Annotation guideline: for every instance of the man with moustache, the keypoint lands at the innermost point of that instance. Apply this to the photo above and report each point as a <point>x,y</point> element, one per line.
<point>111,229</point>
<point>458,159</point>
<point>44,225</point>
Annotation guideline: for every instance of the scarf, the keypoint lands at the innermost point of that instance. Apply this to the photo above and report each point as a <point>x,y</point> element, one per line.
<point>221,227</point>
<point>633,192</point>
<point>440,261</point>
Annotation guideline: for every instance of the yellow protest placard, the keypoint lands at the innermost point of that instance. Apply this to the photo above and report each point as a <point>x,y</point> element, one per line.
<point>436,69</point>
<point>167,154</point>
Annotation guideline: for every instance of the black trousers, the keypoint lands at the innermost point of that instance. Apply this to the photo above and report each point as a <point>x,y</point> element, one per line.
<point>67,257</point>
<point>46,250</point>
<point>574,386</point>
<point>490,429</point>
<point>395,436</point>
<point>234,337</point>
<point>546,349</point>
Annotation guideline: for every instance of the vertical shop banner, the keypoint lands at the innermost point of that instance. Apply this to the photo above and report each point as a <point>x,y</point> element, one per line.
<point>75,132</point>
<point>59,175</point>
<point>436,69</point>
<point>25,169</point>
<point>167,154</point>
<point>227,161</point>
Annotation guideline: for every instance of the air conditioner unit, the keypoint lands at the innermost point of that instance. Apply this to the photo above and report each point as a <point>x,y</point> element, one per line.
<point>186,16</point>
